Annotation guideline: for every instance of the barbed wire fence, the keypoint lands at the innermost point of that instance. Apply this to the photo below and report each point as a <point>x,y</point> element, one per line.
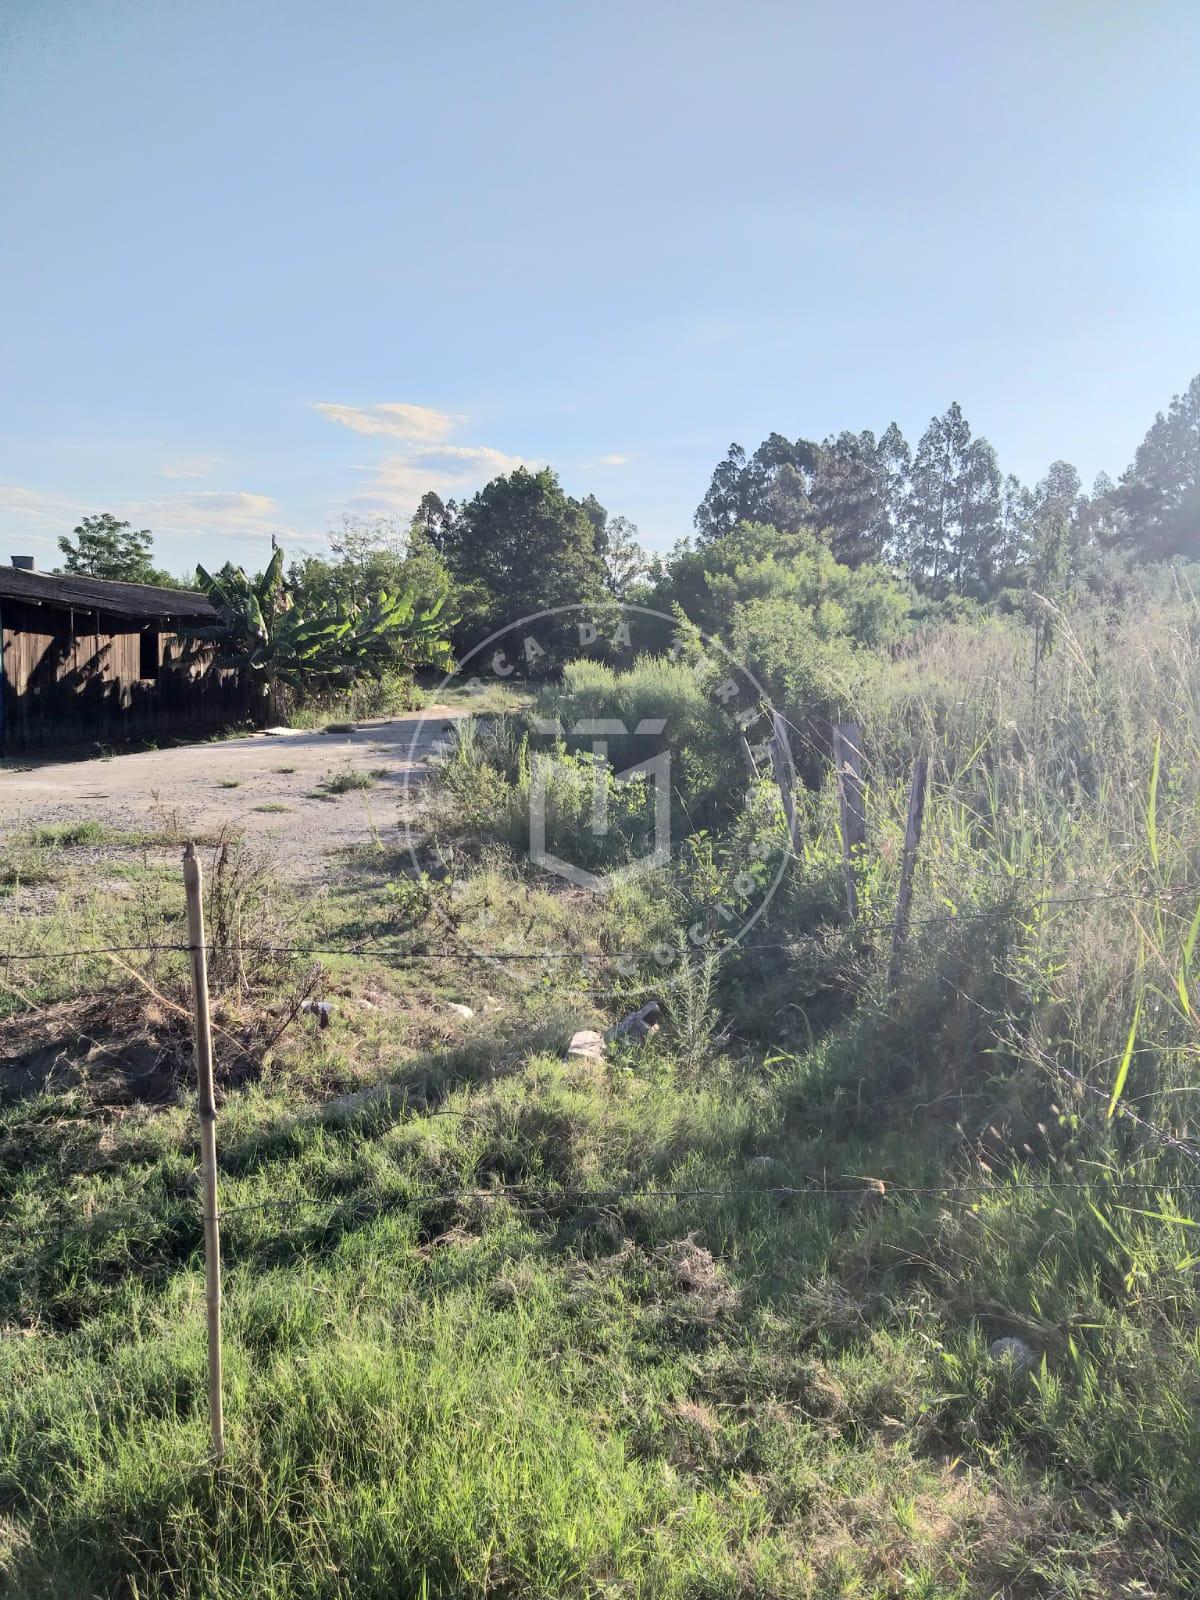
<point>557,1199</point>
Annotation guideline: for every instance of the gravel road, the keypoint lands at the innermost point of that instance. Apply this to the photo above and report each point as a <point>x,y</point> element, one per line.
<point>271,786</point>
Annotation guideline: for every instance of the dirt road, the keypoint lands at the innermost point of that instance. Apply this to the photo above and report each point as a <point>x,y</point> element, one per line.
<point>279,788</point>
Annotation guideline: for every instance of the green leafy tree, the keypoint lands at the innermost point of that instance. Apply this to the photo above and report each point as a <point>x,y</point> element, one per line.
<point>773,485</point>
<point>1106,525</point>
<point>105,548</point>
<point>952,515</point>
<point>1015,527</point>
<point>371,553</point>
<point>434,520</point>
<point>598,517</point>
<point>857,492</point>
<point>521,546</point>
<point>626,563</point>
<point>284,648</point>
<point>1159,494</point>
<point>755,563</point>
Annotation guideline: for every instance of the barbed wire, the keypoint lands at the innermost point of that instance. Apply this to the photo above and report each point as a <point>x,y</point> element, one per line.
<point>366,948</point>
<point>969,1195</point>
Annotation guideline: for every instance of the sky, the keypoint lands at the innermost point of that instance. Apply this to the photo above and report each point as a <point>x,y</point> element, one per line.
<point>265,266</point>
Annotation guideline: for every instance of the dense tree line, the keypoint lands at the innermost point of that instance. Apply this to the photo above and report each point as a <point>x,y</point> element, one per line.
<point>945,515</point>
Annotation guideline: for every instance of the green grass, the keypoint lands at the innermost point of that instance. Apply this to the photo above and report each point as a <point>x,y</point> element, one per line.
<point>348,780</point>
<point>66,834</point>
<point>229,783</point>
<point>486,699</point>
<point>441,1392</point>
<point>531,1326</point>
<point>273,806</point>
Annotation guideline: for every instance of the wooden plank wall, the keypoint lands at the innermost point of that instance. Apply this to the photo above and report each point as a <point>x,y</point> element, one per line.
<point>75,677</point>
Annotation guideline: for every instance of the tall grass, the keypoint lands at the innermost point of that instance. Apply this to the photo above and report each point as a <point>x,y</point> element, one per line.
<point>715,1317</point>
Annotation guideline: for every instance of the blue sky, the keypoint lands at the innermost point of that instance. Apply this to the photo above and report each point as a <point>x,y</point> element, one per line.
<point>268,264</point>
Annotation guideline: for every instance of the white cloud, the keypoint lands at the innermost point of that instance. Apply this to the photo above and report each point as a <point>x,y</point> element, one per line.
<point>614,461</point>
<point>399,481</point>
<point>32,522</point>
<point>204,524</point>
<point>428,460</point>
<point>480,456</point>
<point>191,467</point>
<point>395,420</point>
<point>240,513</point>
<point>33,504</point>
<point>233,511</point>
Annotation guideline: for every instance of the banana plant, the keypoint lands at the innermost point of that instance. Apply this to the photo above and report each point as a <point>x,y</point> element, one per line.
<point>262,634</point>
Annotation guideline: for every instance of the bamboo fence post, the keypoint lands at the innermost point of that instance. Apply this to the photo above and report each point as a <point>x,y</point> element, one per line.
<point>847,757</point>
<point>194,888</point>
<point>912,839</point>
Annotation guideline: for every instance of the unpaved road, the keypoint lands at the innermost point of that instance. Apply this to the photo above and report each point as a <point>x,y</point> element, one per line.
<point>206,787</point>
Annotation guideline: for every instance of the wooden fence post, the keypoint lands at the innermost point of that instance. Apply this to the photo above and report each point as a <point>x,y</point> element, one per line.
<point>785,773</point>
<point>194,888</point>
<point>912,838</point>
<point>847,759</point>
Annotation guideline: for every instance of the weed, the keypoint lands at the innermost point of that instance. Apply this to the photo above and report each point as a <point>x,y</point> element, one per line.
<point>66,834</point>
<point>347,780</point>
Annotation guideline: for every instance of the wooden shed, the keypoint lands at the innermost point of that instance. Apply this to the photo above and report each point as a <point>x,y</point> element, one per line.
<point>86,659</point>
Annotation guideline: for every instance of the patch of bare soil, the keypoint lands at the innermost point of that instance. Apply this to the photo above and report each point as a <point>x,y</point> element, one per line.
<point>113,1049</point>
<point>128,1048</point>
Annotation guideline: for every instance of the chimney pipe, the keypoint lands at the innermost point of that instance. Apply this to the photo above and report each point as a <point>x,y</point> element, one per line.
<point>24,563</point>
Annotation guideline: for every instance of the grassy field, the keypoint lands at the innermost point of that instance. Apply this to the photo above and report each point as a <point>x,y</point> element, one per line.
<point>712,1317</point>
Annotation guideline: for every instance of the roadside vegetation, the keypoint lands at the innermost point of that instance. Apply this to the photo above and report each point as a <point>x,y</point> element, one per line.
<point>713,1315</point>
<point>859,1273</point>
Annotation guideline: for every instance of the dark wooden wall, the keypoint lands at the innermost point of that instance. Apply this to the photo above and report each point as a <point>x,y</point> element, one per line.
<point>75,676</point>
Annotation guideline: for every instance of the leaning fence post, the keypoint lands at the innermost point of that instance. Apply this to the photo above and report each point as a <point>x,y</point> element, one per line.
<point>193,886</point>
<point>912,838</point>
<point>785,773</point>
<point>847,759</point>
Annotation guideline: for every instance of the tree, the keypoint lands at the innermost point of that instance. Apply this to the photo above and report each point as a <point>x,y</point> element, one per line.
<point>522,545</point>
<point>1014,529</point>
<point>952,515</point>
<point>772,486</point>
<point>435,520</point>
<point>857,492</point>
<point>1105,524</point>
<point>598,517</point>
<point>1159,493</point>
<point>625,561</point>
<point>279,645</point>
<point>373,553</point>
<point>361,540</point>
<point>616,543</point>
<point>106,548</point>
<point>712,583</point>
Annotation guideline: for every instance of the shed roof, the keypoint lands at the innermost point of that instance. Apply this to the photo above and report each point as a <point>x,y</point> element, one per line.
<point>101,594</point>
